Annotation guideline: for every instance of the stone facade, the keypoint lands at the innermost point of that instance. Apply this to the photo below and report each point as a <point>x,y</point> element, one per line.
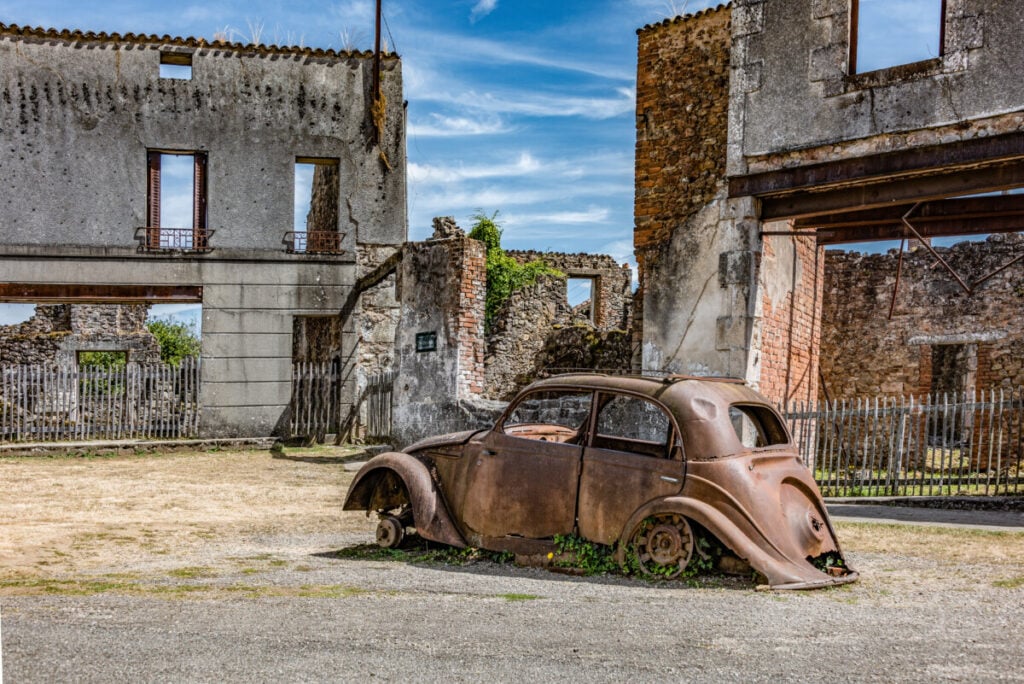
<point>85,114</point>
<point>940,338</point>
<point>748,118</point>
<point>56,333</point>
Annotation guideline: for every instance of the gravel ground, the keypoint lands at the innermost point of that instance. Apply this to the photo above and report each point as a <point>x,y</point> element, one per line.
<point>101,585</point>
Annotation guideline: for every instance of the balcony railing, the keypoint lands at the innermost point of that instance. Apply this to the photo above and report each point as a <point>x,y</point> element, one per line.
<point>156,239</point>
<point>313,242</point>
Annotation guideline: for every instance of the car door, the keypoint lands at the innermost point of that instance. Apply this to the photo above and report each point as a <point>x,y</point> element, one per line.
<point>632,457</point>
<point>523,476</point>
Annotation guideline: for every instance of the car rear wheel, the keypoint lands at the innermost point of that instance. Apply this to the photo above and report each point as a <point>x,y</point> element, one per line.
<point>663,545</point>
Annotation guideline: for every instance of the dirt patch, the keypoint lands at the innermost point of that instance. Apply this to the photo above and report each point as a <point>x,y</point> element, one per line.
<point>65,516</point>
<point>188,524</point>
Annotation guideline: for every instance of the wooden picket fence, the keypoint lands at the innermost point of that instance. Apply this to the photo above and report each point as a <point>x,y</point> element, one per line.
<point>319,406</point>
<point>50,404</point>
<point>935,445</point>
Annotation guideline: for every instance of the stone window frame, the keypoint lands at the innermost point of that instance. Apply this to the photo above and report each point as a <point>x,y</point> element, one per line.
<point>596,300</point>
<point>177,58</point>
<point>900,70</point>
<point>829,61</point>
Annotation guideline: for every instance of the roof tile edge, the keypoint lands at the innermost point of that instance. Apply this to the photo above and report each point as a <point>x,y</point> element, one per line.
<point>684,17</point>
<point>76,35</point>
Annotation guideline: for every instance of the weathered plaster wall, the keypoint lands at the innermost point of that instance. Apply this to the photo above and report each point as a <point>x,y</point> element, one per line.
<point>82,112</point>
<point>792,90</point>
<point>79,113</point>
<point>865,354</point>
<point>441,289</point>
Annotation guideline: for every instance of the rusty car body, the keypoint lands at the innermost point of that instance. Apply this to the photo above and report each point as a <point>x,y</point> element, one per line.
<point>644,464</point>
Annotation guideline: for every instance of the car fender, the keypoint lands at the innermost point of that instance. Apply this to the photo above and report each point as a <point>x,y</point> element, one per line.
<point>780,571</point>
<point>430,514</point>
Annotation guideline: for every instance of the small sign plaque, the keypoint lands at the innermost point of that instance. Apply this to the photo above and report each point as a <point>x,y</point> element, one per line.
<point>426,341</point>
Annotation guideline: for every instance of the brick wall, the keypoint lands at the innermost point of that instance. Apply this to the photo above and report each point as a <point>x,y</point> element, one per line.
<point>469,262</point>
<point>791,323</point>
<point>864,354</point>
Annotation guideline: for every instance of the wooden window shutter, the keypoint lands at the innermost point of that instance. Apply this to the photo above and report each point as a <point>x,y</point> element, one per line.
<point>199,194</point>
<point>153,189</point>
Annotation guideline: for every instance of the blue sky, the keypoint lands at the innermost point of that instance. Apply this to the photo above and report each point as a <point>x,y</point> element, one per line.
<point>520,106</point>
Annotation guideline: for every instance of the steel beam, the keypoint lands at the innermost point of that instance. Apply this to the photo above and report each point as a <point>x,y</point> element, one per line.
<point>51,293</point>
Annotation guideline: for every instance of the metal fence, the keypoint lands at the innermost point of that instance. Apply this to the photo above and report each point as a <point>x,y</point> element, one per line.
<point>936,445</point>
<point>48,404</point>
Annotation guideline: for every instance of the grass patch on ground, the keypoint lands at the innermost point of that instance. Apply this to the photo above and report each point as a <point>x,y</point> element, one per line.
<point>520,597</point>
<point>1011,583</point>
<point>114,585</point>
<point>935,543</point>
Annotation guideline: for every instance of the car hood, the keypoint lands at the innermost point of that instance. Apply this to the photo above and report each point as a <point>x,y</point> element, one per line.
<point>451,439</point>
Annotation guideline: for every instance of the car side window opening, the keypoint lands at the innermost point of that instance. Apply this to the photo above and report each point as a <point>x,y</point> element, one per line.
<point>552,415</point>
<point>757,426</point>
<point>628,423</point>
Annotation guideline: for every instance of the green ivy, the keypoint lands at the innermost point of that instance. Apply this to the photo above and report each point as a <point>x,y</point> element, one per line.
<point>505,275</point>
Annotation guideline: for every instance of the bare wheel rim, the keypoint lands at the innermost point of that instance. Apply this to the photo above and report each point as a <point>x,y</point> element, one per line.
<point>664,545</point>
<point>390,532</point>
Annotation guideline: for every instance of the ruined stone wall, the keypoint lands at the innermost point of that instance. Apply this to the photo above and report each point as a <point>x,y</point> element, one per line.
<point>441,288</point>
<point>55,334</point>
<point>535,316</point>
<point>613,282</point>
<point>797,102</point>
<point>865,354</point>
<point>791,319</point>
<point>697,249</point>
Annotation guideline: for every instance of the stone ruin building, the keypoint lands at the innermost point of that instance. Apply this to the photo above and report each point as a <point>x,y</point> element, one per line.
<point>760,142</point>
<point>451,374</point>
<point>938,339</point>
<point>90,121</point>
<point>58,333</point>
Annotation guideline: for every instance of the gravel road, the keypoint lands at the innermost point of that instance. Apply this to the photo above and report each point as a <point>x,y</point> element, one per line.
<point>273,602</point>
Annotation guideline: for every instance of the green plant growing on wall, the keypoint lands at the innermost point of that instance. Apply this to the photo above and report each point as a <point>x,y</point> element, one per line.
<point>505,275</point>
<point>177,340</point>
<point>103,359</point>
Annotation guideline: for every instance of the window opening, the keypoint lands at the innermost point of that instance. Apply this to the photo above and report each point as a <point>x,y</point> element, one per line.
<point>316,212</point>
<point>177,201</point>
<point>105,359</point>
<point>757,426</point>
<point>627,423</point>
<point>552,416</point>
<point>888,33</point>
<point>176,65</point>
<point>580,293</point>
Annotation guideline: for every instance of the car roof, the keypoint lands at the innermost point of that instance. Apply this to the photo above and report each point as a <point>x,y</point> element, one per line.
<point>677,392</point>
<point>700,405</point>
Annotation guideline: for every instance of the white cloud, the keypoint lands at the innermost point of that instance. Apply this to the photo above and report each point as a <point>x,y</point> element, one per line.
<point>448,126</point>
<point>528,103</point>
<point>482,8</point>
<point>590,215</point>
<point>12,314</point>
<point>426,173</point>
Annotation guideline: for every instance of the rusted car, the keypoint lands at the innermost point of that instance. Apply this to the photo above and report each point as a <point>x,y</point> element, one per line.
<point>645,464</point>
